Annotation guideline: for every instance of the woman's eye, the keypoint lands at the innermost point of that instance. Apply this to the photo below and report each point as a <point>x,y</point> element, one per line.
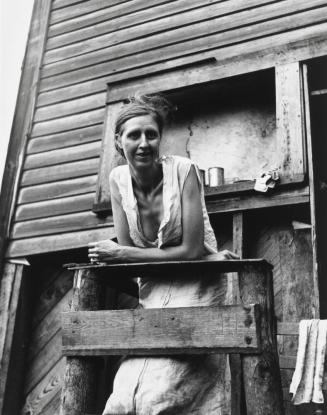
<point>134,135</point>
<point>151,135</point>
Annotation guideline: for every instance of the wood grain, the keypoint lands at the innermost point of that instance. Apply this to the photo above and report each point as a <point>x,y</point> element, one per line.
<point>63,188</point>
<point>66,139</point>
<point>60,156</point>
<point>53,243</point>
<point>60,172</point>
<point>146,30</point>
<point>54,207</point>
<point>175,50</point>
<point>107,25</point>
<point>161,331</point>
<point>59,224</point>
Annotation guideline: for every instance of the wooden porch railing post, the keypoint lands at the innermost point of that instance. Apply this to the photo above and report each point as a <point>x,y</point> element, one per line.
<point>261,375</point>
<point>79,393</point>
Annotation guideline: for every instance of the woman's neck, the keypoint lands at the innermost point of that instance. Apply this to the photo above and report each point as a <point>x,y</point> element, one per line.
<point>147,179</point>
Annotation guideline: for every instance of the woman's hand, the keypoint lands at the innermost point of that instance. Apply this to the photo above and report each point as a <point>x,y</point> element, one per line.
<point>105,251</point>
<point>221,256</point>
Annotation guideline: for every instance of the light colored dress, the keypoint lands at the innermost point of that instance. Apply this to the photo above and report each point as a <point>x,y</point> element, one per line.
<point>181,385</point>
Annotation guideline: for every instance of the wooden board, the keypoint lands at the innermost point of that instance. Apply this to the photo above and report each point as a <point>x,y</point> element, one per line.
<point>46,390</point>
<point>147,31</point>
<point>60,172</point>
<point>68,123</point>
<point>108,25</point>
<point>66,108</point>
<point>175,50</point>
<point>101,15</point>
<point>59,189</point>
<point>66,139</point>
<point>59,224</point>
<point>161,331</point>
<point>53,243</point>
<point>54,207</point>
<point>66,155</point>
<point>232,60</point>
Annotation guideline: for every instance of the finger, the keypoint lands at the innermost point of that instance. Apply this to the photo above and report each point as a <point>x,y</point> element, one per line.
<point>92,244</point>
<point>93,250</point>
<point>93,255</point>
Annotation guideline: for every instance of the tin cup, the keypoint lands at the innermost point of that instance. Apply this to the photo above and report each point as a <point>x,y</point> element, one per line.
<point>216,176</point>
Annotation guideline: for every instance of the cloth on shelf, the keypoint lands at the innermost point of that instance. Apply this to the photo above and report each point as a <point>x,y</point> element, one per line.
<point>307,381</point>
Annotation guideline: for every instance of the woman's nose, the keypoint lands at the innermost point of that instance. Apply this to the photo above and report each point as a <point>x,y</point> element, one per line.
<point>144,141</point>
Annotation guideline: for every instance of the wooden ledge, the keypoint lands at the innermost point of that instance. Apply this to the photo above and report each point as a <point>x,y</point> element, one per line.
<point>166,269</point>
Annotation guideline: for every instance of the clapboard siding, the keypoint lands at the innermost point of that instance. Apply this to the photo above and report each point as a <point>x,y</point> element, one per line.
<point>60,172</point>
<point>174,50</point>
<point>66,139</point>
<point>103,14</point>
<point>65,155</point>
<point>149,29</point>
<point>64,109</point>
<point>55,207</point>
<point>110,25</point>
<point>56,190</point>
<point>58,224</point>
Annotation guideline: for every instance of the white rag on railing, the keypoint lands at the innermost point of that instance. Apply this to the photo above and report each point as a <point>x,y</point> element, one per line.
<point>308,376</point>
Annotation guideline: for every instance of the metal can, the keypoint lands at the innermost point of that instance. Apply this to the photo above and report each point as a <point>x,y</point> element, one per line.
<point>216,176</point>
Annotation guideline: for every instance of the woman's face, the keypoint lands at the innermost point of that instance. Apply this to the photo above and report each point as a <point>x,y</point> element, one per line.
<point>140,139</point>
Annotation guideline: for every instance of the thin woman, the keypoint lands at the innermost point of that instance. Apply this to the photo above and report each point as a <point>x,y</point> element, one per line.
<point>159,214</point>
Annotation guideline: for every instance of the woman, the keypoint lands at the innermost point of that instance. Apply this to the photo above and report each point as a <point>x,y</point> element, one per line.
<point>160,215</point>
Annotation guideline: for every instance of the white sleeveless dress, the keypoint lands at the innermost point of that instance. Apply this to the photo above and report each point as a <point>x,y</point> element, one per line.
<point>180,385</point>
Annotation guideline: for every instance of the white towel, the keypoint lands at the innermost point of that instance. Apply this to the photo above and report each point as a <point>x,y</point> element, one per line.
<point>307,379</point>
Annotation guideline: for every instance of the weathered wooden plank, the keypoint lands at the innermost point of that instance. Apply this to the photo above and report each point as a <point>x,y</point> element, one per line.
<point>289,118</point>
<point>66,155</point>
<point>249,202</point>
<point>118,8</point>
<point>10,292</point>
<point>68,123</point>
<point>232,60</point>
<point>313,190</point>
<point>101,15</point>
<point>46,390</point>
<point>165,24</point>
<point>50,296</point>
<point>63,188</point>
<point>26,98</point>
<point>110,25</point>
<point>175,50</point>
<point>60,172</point>
<point>57,4</point>
<point>47,358</point>
<point>66,108</point>
<point>54,207</point>
<point>58,224</point>
<point>79,393</point>
<point>288,328</point>
<point>161,331</point>
<point>48,327</point>
<point>66,139</point>
<point>53,243</point>
<point>261,375</point>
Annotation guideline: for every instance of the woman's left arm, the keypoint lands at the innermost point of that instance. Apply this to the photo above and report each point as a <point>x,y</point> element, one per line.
<point>191,247</point>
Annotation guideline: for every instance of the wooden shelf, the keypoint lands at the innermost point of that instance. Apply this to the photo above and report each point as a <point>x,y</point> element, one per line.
<point>319,92</point>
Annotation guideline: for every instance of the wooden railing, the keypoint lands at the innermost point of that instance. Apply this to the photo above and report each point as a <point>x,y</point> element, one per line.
<point>247,329</point>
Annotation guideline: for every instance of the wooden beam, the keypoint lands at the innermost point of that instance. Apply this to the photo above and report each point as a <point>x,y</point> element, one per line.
<point>262,383</point>
<point>312,186</point>
<point>23,116</point>
<point>185,330</point>
<point>79,392</point>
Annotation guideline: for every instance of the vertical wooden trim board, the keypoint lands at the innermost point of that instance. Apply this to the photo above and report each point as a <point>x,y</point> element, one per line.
<point>312,187</point>
<point>23,116</point>
<point>289,118</point>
